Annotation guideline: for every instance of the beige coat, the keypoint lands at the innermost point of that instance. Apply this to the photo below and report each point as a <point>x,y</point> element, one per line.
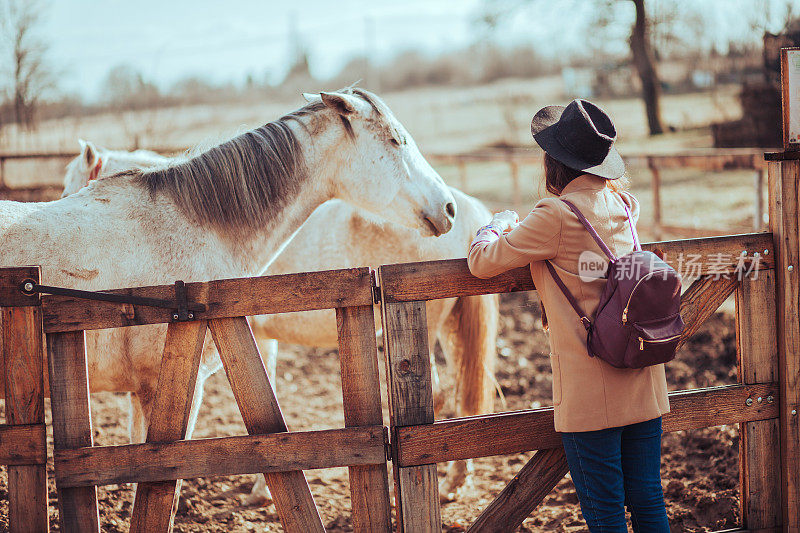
<point>588,393</point>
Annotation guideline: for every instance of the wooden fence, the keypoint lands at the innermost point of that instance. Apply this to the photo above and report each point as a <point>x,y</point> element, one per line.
<point>764,402</point>
<point>159,464</point>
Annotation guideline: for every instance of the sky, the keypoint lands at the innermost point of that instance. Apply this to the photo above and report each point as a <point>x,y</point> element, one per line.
<point>227,40</point>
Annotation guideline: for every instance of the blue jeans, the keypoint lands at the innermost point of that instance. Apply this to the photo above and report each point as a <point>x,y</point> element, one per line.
<point>615,467</point>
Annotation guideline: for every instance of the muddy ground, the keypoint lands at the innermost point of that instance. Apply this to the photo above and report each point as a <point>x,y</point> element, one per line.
<point>699,468</point>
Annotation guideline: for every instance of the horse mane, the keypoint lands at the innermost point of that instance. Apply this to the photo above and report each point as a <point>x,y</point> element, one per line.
<point>243,182</point>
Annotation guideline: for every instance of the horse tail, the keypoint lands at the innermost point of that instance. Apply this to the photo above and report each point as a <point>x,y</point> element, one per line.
<point>472,337</point>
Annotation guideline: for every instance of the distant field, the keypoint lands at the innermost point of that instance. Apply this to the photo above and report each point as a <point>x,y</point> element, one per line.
<point>440,119</point>
<point>445,120</point>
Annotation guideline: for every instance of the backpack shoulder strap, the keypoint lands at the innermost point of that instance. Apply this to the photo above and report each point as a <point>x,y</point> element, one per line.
<point>570,298</point>
<point>591,230</point>
<point>636,245</point>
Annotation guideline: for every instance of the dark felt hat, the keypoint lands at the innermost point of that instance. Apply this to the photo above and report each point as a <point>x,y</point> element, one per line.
<point>581,136</point>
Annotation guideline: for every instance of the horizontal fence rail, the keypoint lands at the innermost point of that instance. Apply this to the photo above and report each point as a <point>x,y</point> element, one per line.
<point>221,456</point>
<point>523,431</point>
<point>430,280</point>
<point>282,293</point>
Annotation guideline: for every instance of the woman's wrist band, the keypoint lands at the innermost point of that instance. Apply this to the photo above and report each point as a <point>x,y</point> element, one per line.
<point>489,227</point>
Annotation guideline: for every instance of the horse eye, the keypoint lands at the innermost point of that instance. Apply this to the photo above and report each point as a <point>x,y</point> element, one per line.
<point>394,141</point>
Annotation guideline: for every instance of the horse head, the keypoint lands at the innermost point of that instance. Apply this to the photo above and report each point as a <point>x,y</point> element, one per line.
<point>378,166</point>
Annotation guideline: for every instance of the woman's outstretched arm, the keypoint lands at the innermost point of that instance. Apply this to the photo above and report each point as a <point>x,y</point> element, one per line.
<point>535,238</point>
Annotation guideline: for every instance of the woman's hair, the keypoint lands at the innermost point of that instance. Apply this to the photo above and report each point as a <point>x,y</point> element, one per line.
<point>557,175</point>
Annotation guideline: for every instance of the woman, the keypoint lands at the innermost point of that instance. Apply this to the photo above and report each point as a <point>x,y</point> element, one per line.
<point>610,418</point>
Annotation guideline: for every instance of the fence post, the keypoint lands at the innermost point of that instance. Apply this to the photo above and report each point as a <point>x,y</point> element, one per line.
<point>462,174</point>
<point>361,395</point>
<point>655,184</point>
<point>784,179</point>
<point>757,347</point>
<point>23,367</point>
<point>758,211</point>
<point>72,424</point>
<point>405,334</point>
<point>514,169</point>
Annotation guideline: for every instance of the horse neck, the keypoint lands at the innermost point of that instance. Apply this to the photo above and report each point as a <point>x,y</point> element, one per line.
<point>323,158</point>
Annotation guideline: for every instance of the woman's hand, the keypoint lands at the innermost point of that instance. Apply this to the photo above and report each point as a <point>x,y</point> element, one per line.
<point>505,221</point>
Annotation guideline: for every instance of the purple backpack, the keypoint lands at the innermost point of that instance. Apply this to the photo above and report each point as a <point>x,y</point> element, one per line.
<point>638,321</point>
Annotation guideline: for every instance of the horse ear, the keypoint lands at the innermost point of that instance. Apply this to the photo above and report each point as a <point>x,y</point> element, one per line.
<point>344,104</point>
<point>89,152</point>
<point>311,97</point>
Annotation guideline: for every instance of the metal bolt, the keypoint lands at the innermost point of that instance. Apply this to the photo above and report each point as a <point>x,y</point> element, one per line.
<point>759,400</point>
<point>770,399</point>
<point>748,402</point>
<point>191,315</point>
<point>175,316</point>
<point>794,412</point>
<point>766,251</point>
<point>28,287</point>
<point>790,268</point>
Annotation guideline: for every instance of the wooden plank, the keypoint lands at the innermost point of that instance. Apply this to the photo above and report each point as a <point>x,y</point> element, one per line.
<point>23,444</point>
<point>521,431</point>
<point>361,393</point>
<point>223,298</point>
<point>757,351</point>
<point>784,179</point>
<point>429,280</point>
<point>758,200</point>
<point>411,403</point>
<point>524,493</point>
<point>262,414</point>
<point>23,368</point>
<point>10,280</point>
<point>222,456</point>
<point>655,187</point>
<point>154,504</point>
<point>72,424</point>
<point>702,299</point>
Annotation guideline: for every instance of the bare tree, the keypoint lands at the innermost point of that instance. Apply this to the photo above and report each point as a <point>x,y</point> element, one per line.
<point>644,60</point>
<point>640,42</point>
<point>31,76</point>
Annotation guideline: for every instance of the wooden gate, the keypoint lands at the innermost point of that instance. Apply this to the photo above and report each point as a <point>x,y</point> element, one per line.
<point>159,464</point>
<point>418,443</point>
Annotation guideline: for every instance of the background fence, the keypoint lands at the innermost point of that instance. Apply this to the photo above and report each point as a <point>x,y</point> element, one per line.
<point>51,164</point>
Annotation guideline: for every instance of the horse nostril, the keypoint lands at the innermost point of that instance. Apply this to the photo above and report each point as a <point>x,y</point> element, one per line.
<point>450,209</point>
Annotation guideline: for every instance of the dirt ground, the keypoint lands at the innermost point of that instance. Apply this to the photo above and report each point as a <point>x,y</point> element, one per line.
<point>700,468</point>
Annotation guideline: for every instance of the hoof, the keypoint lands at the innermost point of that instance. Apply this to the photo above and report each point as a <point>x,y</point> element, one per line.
<point>446,497</point>
<point>259,499</point>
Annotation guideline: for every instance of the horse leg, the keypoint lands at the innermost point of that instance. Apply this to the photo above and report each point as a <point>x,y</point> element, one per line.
<point>260,494</point>
<point>471,328</point>
<point>141,405</point>
<point>436,311</point>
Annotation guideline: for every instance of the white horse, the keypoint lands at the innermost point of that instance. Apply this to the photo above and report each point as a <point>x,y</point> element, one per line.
<point>337,235</point>
<point>224,213</point>
<point>94,162</point>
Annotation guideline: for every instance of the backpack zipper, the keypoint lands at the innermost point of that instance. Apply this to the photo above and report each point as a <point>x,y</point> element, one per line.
<point>628,303</point>
<point>656,341</point>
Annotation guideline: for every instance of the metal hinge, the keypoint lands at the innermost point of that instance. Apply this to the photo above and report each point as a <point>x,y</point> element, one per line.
<point>387,443</point>
<point>376,289</point>
<point>182,309</point>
